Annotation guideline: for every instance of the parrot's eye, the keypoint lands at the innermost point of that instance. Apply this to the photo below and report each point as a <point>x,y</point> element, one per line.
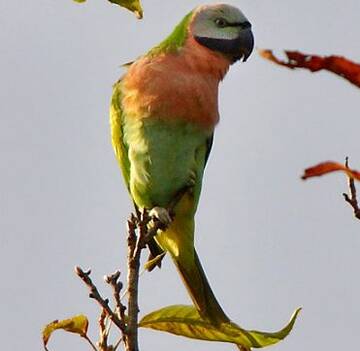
<point>220,22</point>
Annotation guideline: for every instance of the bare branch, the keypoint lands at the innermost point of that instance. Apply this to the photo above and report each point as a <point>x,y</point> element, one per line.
<point>131,339</point>
<point>136,243</point>
<point>90,342</point>
<point>116,285</point>
<point>141,228</point>
<point>94,294</point>
<point>352,198</point>
<point>103,340</point>
<point>117,344</point>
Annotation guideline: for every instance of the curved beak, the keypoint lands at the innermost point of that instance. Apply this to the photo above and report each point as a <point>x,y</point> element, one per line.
<point>244,45</point>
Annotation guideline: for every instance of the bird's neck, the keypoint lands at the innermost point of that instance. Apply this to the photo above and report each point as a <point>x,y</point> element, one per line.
<point>204,61</point>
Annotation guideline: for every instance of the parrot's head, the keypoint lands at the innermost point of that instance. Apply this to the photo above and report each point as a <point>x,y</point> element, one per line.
<point>223,28</point>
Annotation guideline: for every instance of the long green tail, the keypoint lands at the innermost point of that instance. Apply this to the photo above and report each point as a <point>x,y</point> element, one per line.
<point>200,291</point>
<point>178,240</point>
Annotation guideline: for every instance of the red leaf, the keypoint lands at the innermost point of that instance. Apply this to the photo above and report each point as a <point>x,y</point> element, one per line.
<point>335,64</point>
<point>329,167</point>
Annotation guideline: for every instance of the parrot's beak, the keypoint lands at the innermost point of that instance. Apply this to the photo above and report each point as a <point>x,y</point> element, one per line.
<point>244,45</point>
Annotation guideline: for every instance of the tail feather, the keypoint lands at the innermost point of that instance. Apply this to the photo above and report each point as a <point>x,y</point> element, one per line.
<point>178,240</point>
<point>200,291</point>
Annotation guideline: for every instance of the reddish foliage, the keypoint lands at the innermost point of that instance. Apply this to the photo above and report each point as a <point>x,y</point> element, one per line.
<point>329,167</point>
<point>336,64</point>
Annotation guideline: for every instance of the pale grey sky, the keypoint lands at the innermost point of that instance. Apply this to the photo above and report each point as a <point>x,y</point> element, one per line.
<point>268,241</point>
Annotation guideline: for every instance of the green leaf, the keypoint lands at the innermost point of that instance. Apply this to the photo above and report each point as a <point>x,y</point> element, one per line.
<point>185,320</point>
<point>77,324</point>
<point>132,5</point>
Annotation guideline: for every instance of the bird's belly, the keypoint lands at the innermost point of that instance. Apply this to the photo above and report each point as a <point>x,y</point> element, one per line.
<point>164,159</point>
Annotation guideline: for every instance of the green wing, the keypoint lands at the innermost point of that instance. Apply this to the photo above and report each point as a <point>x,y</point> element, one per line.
<point>117,138</point>
<point>121,152</point>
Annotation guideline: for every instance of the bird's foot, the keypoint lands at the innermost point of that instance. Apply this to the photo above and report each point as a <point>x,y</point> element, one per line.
<point>162,214</point>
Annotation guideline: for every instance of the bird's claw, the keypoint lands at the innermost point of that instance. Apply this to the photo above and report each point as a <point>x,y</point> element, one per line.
<point>162,214</point>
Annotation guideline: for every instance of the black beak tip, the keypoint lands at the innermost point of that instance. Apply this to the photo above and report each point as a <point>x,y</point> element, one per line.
<point>244,46</point>
<point>247,44</point>
<point>246,56</point>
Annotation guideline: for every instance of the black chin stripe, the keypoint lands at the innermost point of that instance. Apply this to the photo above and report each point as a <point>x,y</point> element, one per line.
<point>226,46</point>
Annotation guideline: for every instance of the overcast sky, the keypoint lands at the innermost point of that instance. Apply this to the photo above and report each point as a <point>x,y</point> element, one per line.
<point>268,241</point>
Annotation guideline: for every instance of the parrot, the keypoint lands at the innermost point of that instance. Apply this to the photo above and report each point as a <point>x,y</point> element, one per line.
<point>163,113</point>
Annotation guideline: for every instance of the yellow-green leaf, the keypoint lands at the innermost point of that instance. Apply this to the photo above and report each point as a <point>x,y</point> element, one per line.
<point>132,5</point>
<point>79,1</point>
<point>185,320</point>
<point>77,324</point>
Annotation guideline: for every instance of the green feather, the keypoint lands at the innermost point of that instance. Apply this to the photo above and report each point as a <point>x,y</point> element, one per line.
<point>175,40</point>
<point>117,137</point>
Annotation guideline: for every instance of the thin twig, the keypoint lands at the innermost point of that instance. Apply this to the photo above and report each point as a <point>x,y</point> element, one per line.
<point>103,345</point>
<point>116,285</point>
<point>118,343</point>
<point>131,337</point>
<point>90,342</point>
<point>136,243</point>
<point>104,303</point>
<point>352,199</point>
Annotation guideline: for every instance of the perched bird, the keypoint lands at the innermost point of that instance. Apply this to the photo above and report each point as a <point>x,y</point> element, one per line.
<point>163,114</point>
